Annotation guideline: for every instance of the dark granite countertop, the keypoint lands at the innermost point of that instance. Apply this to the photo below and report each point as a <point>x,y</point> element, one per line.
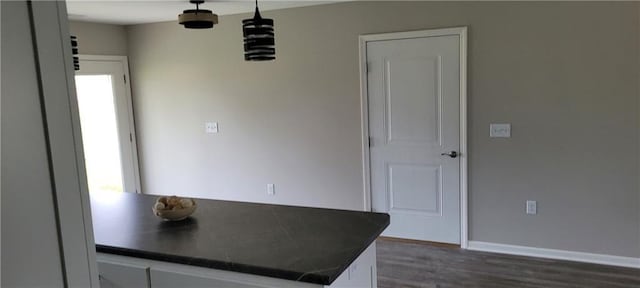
<point>295,243</point>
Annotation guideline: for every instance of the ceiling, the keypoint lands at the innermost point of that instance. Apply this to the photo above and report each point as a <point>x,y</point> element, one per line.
<point>149,11</point>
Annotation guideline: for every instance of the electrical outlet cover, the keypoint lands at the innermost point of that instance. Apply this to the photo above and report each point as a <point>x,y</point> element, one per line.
<point>271,189</point>
<point>500,130</point>
<point>211,127</point>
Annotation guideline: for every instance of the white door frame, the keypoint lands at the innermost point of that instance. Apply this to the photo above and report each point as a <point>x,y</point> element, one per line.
<point>364,112</point>
<point>129,102</point>
<point>73,208</point>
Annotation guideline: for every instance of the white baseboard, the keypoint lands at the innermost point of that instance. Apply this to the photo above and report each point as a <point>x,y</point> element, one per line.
<point>555,254</point>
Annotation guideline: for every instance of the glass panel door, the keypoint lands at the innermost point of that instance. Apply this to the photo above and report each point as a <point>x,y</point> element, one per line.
<point>106,121</point>
<point>100,139</point>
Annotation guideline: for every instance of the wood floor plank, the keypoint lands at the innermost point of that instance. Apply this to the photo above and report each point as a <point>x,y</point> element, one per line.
<point>420,265</point>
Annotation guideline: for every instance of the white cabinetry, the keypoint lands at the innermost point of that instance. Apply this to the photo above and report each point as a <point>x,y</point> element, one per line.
<point>121,271</point>
<point>171,279</point>
<point>361,273</point>
<point>122,274</point>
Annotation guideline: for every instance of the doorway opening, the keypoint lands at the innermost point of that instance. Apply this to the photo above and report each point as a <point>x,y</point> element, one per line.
<point>106,121</point>
<point>413,97</point>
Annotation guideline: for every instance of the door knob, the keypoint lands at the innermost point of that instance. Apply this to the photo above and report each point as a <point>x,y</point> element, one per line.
<point>452,154</point>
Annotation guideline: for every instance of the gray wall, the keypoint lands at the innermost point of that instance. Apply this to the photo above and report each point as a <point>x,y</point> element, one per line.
<point>30,252</point>
<point>99,39</point>
<point>564,74</point>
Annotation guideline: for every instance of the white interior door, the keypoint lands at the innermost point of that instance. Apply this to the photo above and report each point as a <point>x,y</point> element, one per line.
<point>106,120</point>
<point>413,89</point>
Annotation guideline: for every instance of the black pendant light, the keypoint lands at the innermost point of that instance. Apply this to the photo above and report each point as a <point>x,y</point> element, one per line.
<point>259,42</point>
<point>197,18</point>
<point>74,51</point>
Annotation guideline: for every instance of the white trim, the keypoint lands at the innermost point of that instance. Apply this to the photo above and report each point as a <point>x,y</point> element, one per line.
<point>464,218</point>
<point>555,254</point>
<point>364,112</point>
<point>127,87</point>
<point>67,163</point>
<point>92,57</point>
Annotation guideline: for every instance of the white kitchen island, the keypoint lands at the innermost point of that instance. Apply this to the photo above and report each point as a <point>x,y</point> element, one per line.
<point>234,244</point>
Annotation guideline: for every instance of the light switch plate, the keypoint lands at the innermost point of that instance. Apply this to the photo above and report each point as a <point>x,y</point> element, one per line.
<point>532,207</point>
<point>211,127</point>
<point>271,190</point>
<point>500,130</point>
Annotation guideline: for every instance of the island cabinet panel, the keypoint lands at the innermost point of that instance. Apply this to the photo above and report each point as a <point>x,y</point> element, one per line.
<point>362,273</point>
<point>123,271</point>
<point>174,275</point>
<point>168,279</point>
<point>122,275</point>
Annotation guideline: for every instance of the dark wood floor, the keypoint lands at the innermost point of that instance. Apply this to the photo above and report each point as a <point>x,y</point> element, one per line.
<point>409,265</point>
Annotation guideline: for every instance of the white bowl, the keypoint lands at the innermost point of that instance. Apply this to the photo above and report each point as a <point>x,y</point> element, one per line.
<point>175,214</point>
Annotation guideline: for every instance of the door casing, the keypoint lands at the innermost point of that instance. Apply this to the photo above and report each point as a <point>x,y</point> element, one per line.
<point>129,103</point>
<point>364,112</point>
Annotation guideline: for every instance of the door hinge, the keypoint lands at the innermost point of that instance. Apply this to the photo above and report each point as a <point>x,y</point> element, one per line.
<point>370,141</point>
<point>366,67</point>
<point>131,137</point>
<point>125,78</point>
